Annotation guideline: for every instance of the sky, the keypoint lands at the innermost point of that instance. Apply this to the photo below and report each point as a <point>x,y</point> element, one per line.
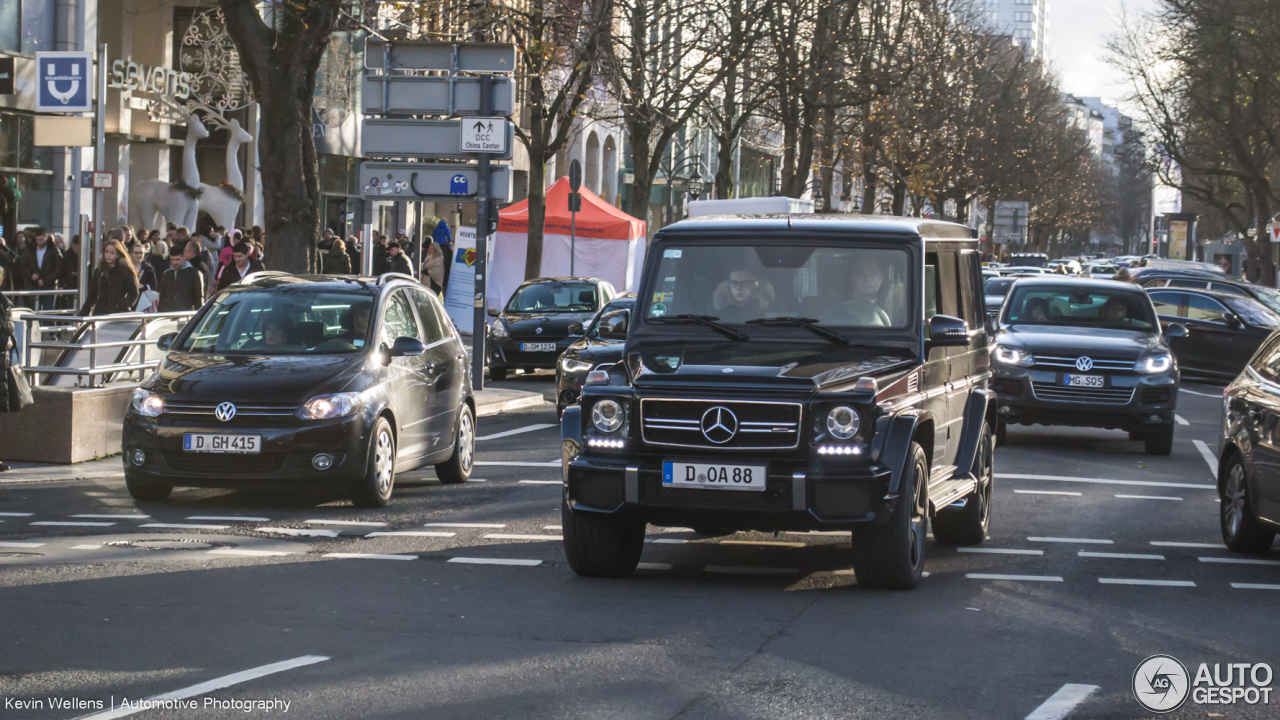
<point>1078,31</point>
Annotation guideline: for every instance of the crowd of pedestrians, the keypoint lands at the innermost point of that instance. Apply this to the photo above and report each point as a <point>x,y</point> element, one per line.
<point>390,255</point>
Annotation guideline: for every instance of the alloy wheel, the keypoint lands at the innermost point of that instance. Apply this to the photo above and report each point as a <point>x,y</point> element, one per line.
<point>384,461</point>
<point>1233,499</point>
<point>466,441</point>
<point>919,518</point>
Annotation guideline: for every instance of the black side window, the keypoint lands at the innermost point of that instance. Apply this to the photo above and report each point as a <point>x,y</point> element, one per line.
<point>431,328</point>
<point>1168,303</point>
<point>968,279</point>
<point>930,285</point>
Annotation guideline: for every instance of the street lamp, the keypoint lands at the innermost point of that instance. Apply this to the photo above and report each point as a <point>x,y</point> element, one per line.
<point>694,185</point>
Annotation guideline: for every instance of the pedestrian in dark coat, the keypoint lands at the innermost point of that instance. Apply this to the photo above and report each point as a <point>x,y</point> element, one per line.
<point>241,266</point>
<point>353,254</point>
<point>115,284</point>
<point>335,261</point>
<point>399,261</point>
<point>7,342</point>
<point>181,286</point>
<point>42,265</point>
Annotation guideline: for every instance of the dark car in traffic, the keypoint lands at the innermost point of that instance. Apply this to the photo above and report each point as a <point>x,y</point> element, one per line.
<point>1226,329</point>
<point>305,381</point>
<point>994,292</point>
<point>532,330</point>
<point>1249,458</point>
<point>1086,353</point>
<point>1203,281</point>
<point>600,343</point>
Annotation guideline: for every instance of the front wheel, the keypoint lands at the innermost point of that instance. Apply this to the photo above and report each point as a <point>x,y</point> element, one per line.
<point>604,546</point>
<point>968,525</point>
<point>145,491</point>
<point>891,556</point>
<point>1240,529</point>
<point>457,469</point>
<point>1160,442</point>
<point>374,489</point>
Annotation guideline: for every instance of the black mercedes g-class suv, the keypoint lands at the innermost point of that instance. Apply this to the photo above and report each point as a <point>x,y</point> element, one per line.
<point>791,373</point>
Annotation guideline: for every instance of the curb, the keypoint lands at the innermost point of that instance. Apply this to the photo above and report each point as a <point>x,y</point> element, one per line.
<point>501,406</point>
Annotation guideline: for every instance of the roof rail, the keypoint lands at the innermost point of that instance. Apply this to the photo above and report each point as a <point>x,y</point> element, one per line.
<point>385,278</point>
<point>263,274</point>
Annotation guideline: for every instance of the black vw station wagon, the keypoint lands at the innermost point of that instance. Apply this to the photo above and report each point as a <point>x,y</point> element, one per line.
<point>791,373</point>
<point>301,381</point>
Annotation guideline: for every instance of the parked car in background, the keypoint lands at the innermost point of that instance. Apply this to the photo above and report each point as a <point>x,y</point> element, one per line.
<point>1183,265</point>
<point>1029,260</point>
<point>532,330</point>
<point>600,344</point>
<point>1249,459</point>
<point>1226,329</point>
<point>1101,270</point>
<point>1072,265</point>
<point>987,274</point>
<point>1086,353</point>
<point>1021,270</point>
<point>1265,295</point>
<point>994,292</point>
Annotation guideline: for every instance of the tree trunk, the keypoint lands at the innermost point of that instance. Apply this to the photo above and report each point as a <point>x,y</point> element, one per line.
<point>827,171</point>
<point>1267,267</point>
<point>642,181</point>
<point>899,196</point>
<point>724,167</point>
<point>537,210</point>
<point>290,177</point>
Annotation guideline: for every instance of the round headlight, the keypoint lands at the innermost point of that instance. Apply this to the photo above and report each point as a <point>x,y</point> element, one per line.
<point>843,422</point>
<point>606,415</point>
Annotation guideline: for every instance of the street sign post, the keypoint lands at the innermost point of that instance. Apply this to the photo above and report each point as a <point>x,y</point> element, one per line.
<point>434,139</point>
<point>437,95</point>
<point>432,182</point>
<point>575,205</point>
<point>64,82</point>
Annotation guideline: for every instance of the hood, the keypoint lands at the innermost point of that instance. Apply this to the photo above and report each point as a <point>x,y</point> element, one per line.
<point>247,378</point>
<point>554,326</point>
<point>1074,341</point>
<point>775,365</point>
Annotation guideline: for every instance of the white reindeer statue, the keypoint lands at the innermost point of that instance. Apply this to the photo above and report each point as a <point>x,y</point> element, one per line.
<point>178,203</point>
<point>222,202</point>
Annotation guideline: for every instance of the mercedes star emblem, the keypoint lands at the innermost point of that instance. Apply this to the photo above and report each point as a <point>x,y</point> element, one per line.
<point>1084,363</point>
<point>225,411</point>
<point>719,424</point>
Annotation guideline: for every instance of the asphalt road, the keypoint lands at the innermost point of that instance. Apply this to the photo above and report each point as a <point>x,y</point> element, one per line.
<point>456,601</point>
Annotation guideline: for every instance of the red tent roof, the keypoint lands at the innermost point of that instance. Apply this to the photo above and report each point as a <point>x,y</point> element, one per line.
<point>598,219</point>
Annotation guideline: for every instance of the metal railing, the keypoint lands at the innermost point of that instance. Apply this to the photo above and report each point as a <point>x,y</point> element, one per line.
<point>16,297</point>
<point>74,330</point>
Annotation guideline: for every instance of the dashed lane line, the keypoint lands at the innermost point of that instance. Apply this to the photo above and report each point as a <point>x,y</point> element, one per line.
<point>184,526</point>
<point>539,482</point>
<point>999,551</point>
<point>13,514</point>
<point>1209,458</point>
<point>229,518</point>
<point>1254,586</point>
<point>1238,561</point>
<point>667,541</point>
<point>412,533</point>
<point>1103,481</point>
<point>1148,497</point>
<point>495,561</point>
<point>1021,578</point>
<point>1061,703</point>
<point>653,566</point>
<point>1151,583</point>
<point>517,431</point>
<point>245,552</point>
<point>1048,492</point>
<point>369,556</point>
<point>60,523</point>
<point>1162,543</point>
<point>20,545</point>
<point>494,526</point>
<point>87,547</point>
<point>1118,556</point>
<point>762,543</point>
<point>111,517</point>
<point>505,536</point>
<point>1181,420</point>
<point>1073,541</point>
<point>506,463</point>
<point>552,527</point>
<point>361,523</point>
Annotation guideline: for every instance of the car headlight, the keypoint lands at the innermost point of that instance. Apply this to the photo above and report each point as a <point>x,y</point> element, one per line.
<point>843,422</point>
<point>323,407</point>
<point>1013,356</point>
<point>607,416</point>
<point>1155,364</point>
<point>147,403</point>
<point>498,329</point>
<point>570,365</point>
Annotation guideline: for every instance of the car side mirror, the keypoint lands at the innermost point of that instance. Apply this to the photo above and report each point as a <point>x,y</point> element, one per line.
<point>1176,330</point>
<point>575,328</point>
<point>493,312</point>
<point>405,346</point>
<point>614,326</point>
<point>164,341</point>
<point>1232,321</point>
<point>947,331</point>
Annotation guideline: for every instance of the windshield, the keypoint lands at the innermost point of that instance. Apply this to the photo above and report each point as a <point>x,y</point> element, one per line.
<point>1254,313</point>
<point>998,287</point>
<point>1029,261</point>
<point>1268,297</point>
<point>839,286</point>
<point>550,297</point>
<point>1080,307</point>
<point>285,320</point>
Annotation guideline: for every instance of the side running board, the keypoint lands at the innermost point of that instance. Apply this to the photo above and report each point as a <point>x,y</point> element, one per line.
<point>945,487</point>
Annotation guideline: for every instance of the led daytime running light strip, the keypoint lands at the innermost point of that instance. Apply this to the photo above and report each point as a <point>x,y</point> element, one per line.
<point>839,450</point>
<point>603,443</point>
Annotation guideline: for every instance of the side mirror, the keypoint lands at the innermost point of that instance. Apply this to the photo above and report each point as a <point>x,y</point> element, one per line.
<point>407,347</point>
<point>575,328</point>
<point>1176,330</point>
<point>1232,321</point>
<point>164,341</point>
<point>614,326</point>
<point>493,312</point>
<point>947,331</point>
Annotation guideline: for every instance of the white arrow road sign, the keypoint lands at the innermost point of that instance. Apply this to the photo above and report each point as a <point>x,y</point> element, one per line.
<point>484,135</point>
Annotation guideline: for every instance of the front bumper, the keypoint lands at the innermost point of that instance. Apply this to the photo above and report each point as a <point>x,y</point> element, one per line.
<point>1033,396</point>
<point>285,458</point>
<point>505,353</point>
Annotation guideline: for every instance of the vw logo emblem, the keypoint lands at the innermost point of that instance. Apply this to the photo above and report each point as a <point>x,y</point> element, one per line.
<point>719,424</point>
<point>538,330</point>
<point>1084,363</point>
<point>225,411</point>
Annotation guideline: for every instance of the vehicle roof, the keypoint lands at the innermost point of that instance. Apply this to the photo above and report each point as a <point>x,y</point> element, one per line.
<point>1215,294</point>
<point>594,281</point>
<point>336,283</point>
<point>904,227</point>
<point>1074,281</point>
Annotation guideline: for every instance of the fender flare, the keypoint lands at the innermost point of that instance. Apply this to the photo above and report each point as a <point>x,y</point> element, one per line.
<point>570,438</point>
<point>980,408</point>
<point>897,444</point>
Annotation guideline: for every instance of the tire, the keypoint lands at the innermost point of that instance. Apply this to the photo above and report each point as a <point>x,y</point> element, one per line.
<point>605,546</point>
<point>374,489</point>
<point>1241,531</point>
<point>497,374</point>
<point>457,469</point>
<point>891,556</point>
<point>145,491</point>
<point>1160,442</point>
<point>1002,435</point>
<point>969,526</point>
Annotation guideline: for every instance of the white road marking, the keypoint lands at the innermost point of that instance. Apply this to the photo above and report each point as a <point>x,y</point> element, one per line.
<point>504,536</point>
<point>999,551</point>
<point>1102,481</point>
<point>86,547</point>
<point>653,566</point>
<point>184,526</point>
<point>495,561</point>
<point>361,523</point>
<point>1119,556</point>
<point>412,533</point>
<point>762,543</point>
<point>8,514</point>
<point>112,517</point>
<point>844,533</point>
<point>1238,561</point>
<point>1208,456</point>
<point>207,687</point>
<point>471,480</point>
<point>1074,541</point>
<point>245,552</point>
<point>552,527</point>
<point>675,530</point>
<point>369,556</point>
<point>749,570</point>
<point>74,524</point>
<point>1181,420</point>
<point>21,544</point>
<point>1193,392</point>
<point>497,526</point>
<point>1148,497</point>
<point>1061,703</point>
<point>539,482</point>
<point>1047,492</point>
<point>1139,581</point>
<point>517,431</point>
<point>1028,578</point>
<point>229,518</point>
<point>1216,546</point>
<point>505,463</point>
<point>1254,586</point>
<point>299,532</point>
<point>667,541</point>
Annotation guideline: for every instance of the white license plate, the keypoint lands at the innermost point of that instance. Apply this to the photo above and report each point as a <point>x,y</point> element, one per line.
<point>537,347</point>
<point>713,476</point>
<point>200,442</point>
<point>1084,381</point>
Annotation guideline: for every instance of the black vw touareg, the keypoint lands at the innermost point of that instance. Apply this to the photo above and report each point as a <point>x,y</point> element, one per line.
<point>791,373</point>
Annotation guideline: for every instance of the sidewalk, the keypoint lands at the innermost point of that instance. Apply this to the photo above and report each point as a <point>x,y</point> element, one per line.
<point>492,401</point>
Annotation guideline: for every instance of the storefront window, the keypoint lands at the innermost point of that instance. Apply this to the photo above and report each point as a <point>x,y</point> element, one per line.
<point>9,27</point>
<point>36,206</point>
<point>9,135</point>
<point>37,25</point>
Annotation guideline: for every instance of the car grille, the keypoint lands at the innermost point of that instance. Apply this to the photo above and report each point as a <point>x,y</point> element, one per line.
<point>1155,396</point>
<point>761,425</point>
<point>246,413</point>
<point>1070,363</point>
<point>1062,393</point>
<point>223,463</point>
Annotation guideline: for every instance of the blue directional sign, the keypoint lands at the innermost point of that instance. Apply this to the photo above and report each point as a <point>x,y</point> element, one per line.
<point>64,81</point>
<point>458,185</point>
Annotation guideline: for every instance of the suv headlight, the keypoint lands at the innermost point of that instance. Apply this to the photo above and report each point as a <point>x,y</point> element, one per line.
<point>147,403</point>
<point>1006,355</point>
<point>1154,364</point>
<point>570,365</point>
<point>499,331</point>
<point>843,422</point>
<point>607,416</point>
<point>323,407</point>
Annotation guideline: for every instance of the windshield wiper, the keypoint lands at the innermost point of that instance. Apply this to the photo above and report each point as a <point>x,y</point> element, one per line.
<point>708,320</point>
<point>806,323</point>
